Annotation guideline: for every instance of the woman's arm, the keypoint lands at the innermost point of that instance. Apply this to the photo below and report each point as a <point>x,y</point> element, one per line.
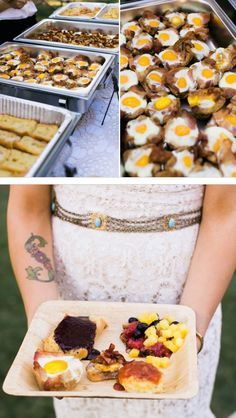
<point>214,258</point>
<point>30,244</point>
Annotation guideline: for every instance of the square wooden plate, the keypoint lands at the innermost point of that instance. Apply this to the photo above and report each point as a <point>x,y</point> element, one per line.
<point>180,378</point>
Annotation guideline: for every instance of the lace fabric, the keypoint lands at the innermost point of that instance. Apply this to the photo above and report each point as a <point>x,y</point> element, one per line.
<point>101,265</point>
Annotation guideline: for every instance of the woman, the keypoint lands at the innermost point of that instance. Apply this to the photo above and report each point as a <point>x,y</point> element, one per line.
<point>137,243</point>
<point>15,17</point>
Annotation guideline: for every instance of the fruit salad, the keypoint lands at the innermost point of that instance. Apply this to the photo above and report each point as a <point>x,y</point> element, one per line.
<point>153,337</point>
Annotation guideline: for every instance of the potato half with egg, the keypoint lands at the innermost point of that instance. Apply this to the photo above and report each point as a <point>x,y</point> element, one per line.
<point>226,118</point>
<point>224,58</point>
<point>199,49</point>
<point>131,29</point>
<point>140,376</point>
<point>204,102</point>
<point>54,371</point>
<point>198,20</point>
<point>128,79</point>
<point>150,23</point>
<point>162,108</point>
<point>205,74</point>
<point>142,131</point>
<point>132,103</point>
<point>167,37</point>
<point>181,131</point>
<point>155,80</point>
<point>142,64</point>
<point>174,19</point>
<point>125,54</point>
<point>180,81</point>
<point>138,162</point>
<point>183,162</point>
<point>228,84</point>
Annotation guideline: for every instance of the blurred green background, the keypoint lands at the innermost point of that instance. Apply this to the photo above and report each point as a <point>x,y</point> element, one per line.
<point>13,328</point>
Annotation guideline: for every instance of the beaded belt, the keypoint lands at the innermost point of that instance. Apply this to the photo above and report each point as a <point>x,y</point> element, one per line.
<point>102,222</point>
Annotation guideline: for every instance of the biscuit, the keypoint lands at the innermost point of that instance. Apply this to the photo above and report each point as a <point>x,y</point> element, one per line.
<point>8,139</point>
<point>18,162</point>
<point>44,132</point>
<point>3,154</point>
<point>5,173</point>
<point>18,125</point>
<point>30,145</point>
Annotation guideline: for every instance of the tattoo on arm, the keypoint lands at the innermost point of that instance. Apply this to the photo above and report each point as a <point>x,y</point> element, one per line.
<point>32,246</point>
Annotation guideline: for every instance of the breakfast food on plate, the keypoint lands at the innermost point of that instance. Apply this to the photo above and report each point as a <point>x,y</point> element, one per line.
<point>139,376</point>
<point>75,335</point>
<point>55,371</point>
<point>49,69</point>
<point>98,39</point>
<point>150,335</point>
<point>183,86</point>
<point>81,11</point>
<point>106,365</point>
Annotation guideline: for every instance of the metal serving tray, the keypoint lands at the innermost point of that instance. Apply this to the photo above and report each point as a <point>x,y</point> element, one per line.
<point>44,114</point>
<point>48,24</point>
<point>56,14</point>
<point>77,100</point>
<point>100,15</point>
<point>222,29</point>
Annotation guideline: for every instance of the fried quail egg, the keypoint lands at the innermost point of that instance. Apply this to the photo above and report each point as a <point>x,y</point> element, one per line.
<point>95,66</point>
<point>200,49</point>
<point>128,78</point>
<point>206,170</point>
<point>82,64</point>
<point>155,80</point>
<point>137,162</point>
<point>151,25</point>
<point>141,63</point>
<point>180,81</point>
<point>184,162</point>
<point>124,57</point>
<point>170,58</point>
<point>132,104</point>
<point>142,131</point>
<point>181,131</point>
<point>176,19</point>
<point>163,107</point>
<point>205,75</point>
<point>56,60</point>
<point>167,37</point>
<point>223,59</point>
<point>226,118</point>
<point>130,29</point>
<point>13,62</point>
<point>84,81</point>
<point>216,136</point>
<point>228,84</point>
<point>142,42</point>
<point>60,78</point>
<point>186,31</point>
<point>198,19</point>
<point>204,102</point>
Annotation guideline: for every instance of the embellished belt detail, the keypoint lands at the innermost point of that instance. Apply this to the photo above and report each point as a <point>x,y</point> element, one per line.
<point>102,222</point>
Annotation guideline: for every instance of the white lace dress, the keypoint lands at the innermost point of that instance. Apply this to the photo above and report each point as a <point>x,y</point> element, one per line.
<point>134,267</point>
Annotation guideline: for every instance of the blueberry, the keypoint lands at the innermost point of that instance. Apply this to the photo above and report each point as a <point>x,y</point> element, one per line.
<point>155,322</point>
<point>137,334</point>
<point>174,322</point>
<point>142,326</point>
<point>132,319</point>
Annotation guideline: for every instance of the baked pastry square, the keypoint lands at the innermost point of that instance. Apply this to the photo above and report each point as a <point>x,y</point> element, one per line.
<point>18,125</point>
<point>30,145</point>
<point>8,139</point>
<point>45,132</point>
<point>18,162</point>
<point>3,154</point>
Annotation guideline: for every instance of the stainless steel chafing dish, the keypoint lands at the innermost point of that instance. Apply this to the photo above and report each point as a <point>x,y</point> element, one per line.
<point>57,13</point>
<point>45,114</point>
<point>77,100</point>
<point>100,16</point>
<point>222,29</point>
<point>48,24</point>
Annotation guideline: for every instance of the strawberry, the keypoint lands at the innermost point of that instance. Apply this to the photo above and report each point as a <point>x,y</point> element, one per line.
<point>138,344</point>
<point>128,332</point>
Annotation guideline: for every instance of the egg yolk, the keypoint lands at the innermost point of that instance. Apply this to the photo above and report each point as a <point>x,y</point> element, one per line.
<point>164,36</point>
<point>133,27</point>
<point>197,21</point>
<point>94,66</point>
<point>182,83</point>
<point>55,366</point>
<point>207,73</point>
<point>176,21</point>
<point>162,103</point>
<point>143,161</point>
<point>169,56</point>
<point>123,60</point>
<point>231,119</point>
<point>187,160</point>
<point>182,130</point>
<point>230,78</point>
<point>82,63</point>
<point>153,23</point>
<point>193,100</point>
<point>131,102</point>
<point>144,61</point>
<point>124,79</point>
<point>198,46</point>
<point>155,77</point>
<point>141,42</point>
<point>141,129</point>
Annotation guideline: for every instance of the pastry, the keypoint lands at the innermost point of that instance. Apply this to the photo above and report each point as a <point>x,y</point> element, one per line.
<point>141,377</point>
<point>30,145</point>
<point>18,162</point>
<point>8,139</point>
<point>45,132</point>
<point>20,126</point>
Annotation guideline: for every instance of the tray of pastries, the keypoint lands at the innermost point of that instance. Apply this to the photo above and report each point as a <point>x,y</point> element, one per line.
<point>178,90</point>
<point>29,133</point>
<point>100,349</point>
<point>78,11</point>
<point>88,36</point>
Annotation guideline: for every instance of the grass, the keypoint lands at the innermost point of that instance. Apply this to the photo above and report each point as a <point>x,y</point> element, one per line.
<point>13,327</point>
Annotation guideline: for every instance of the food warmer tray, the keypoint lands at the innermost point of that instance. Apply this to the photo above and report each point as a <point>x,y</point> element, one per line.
<point>48,24</point>
<point>56,14</point>
<point>77,100</point>
<point>222,29</point>
<point>45,114</point>
<point>100,18</point>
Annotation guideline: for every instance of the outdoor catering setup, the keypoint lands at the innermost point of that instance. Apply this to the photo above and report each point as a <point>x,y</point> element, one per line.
<point>60,64</point>
<point>178,89</point>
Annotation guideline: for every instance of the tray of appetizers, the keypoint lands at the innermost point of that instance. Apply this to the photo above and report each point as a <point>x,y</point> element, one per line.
<point>178,87</point>
<point>58,76</point>
<point>31,136</point>
<point>110,14</point>
<point>90,36</point>
<point>107,349</point>
<point>78,11</point>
